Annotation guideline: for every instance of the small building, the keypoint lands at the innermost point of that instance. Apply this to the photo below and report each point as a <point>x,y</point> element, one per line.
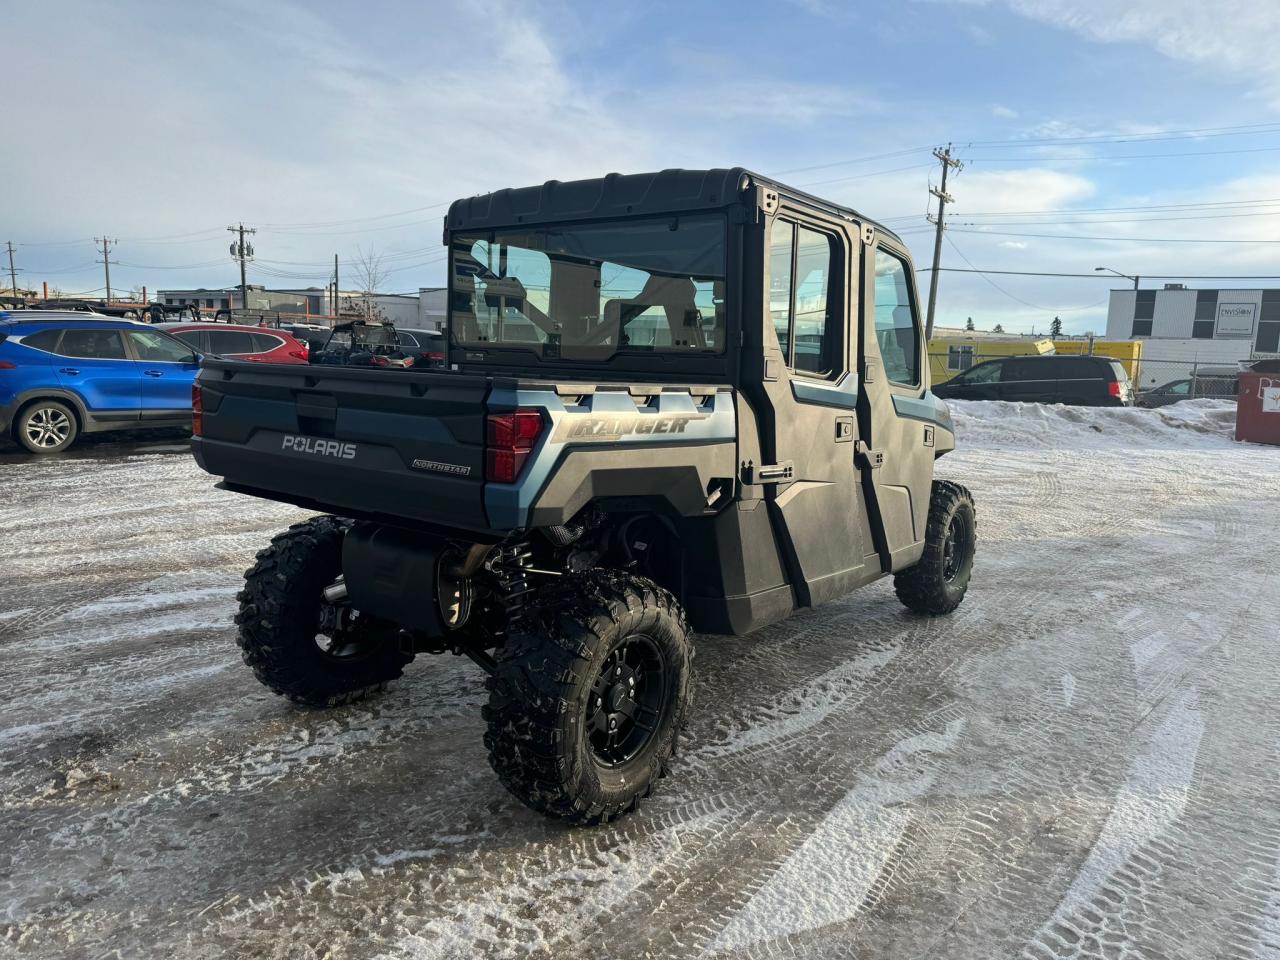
<point>1234,322</point>
<point>433,307</point>
<point>954,351</point>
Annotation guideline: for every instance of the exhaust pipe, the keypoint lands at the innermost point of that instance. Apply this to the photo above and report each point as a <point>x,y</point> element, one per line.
<point>336,592</point>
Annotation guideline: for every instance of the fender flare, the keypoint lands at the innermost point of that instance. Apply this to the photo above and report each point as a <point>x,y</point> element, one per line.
<point>86,422</point>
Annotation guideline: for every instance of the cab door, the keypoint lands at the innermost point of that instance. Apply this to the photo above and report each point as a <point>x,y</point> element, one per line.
<point>897,413</point>
<point>808,394</point>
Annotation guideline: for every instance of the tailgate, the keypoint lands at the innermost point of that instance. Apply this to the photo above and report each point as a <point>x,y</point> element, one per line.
<point>386,443</point>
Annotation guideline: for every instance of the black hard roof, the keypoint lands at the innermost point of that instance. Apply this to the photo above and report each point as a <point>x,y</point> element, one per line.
<point>621,195</point>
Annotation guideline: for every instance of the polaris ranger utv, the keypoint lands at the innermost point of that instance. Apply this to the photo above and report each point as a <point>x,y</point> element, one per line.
<point>674,401</point>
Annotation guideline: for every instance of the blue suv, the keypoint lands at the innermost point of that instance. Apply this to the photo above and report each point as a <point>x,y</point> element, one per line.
<point>63,374</point>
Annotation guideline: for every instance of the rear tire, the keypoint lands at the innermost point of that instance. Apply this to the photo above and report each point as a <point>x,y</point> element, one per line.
<point>938,581</point>
<point>589,695</point>
<point>46,426</point>
<point>280,623</point>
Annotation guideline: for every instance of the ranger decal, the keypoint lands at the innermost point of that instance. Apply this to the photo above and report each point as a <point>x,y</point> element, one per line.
<point>587,428</point>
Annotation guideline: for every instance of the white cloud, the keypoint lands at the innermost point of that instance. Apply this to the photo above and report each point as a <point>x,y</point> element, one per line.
<point>1012,244</point>
<point>1003,113</point>
<point>1236,38</point>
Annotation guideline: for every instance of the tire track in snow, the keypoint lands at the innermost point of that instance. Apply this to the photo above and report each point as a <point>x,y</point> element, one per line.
<point>1127,856</point>
<point>839,863</point>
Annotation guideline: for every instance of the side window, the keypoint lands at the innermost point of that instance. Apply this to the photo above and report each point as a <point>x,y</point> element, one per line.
<point>897,325</point>
<point>985,372</point>
<point>92,344</point>
<point>224,342</point>
<point>154,347</point>
<point>781,247</point>
<point>803,298</point>
<point>1022,370</point>
<point>191,337</point>
<point>44,340</point>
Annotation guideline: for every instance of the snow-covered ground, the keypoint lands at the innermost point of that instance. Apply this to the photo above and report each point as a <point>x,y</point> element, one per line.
<point>1082,761</point>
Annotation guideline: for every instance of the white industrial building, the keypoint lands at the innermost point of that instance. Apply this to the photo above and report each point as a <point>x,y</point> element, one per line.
<point>1198,326</point>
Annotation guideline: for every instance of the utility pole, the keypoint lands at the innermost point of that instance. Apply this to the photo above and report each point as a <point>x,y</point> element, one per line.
<point>244,253</point>
<point>335,286</point>
<point>13,273</point>
<point>945,158</point>
<point>107,244</point>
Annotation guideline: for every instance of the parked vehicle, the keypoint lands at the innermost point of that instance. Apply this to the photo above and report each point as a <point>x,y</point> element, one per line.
<point>1048,378</point>
<point>238,342</point>
<point>570,500</point>
<point>65,374</point>
<point>427,347</point>
<point>361,343</point>
<point>1218,386</point>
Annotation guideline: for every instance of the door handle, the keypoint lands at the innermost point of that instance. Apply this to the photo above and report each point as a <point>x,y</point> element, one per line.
<point>153,373</point>
<point>70,371</point>
<point>783,472</point>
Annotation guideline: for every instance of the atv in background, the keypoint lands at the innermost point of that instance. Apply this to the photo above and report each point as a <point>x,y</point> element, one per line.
<point>363,343</point>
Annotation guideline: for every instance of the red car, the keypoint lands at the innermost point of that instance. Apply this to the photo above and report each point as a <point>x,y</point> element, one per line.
<point>236,342</point>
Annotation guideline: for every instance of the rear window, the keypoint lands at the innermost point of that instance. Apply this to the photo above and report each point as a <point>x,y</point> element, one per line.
<point>264,342</point>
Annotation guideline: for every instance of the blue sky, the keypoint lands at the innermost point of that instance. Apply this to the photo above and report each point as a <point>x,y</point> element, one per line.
<point>340,127</point>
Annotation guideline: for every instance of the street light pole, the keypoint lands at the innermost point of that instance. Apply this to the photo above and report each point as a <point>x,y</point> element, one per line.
<point>1119,274</point>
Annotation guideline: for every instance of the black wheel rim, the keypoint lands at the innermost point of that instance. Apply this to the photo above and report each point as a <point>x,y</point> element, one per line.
<point>954,548</point>
<point>627,701</point>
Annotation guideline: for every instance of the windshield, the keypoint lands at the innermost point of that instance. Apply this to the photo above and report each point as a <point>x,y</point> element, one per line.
<point>590,291</point>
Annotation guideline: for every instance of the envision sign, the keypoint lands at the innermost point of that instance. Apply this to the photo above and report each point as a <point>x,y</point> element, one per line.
<point>1236,319</point>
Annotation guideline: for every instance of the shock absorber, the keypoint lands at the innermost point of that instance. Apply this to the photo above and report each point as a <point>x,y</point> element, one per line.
<point>509,565</point>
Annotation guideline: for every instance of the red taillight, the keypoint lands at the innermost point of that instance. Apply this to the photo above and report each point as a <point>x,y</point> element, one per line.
<point>299,354</point>
<point>378,361</point>
<point>512,437</point>
<point>6,365</point>
<point>1114,388</point>
<point>197,409</point>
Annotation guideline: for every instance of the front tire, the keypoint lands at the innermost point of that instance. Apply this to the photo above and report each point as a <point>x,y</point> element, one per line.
<point>288,636</point>
<point>938,581</point>
<point>46,426</point>
<point>589,695</point>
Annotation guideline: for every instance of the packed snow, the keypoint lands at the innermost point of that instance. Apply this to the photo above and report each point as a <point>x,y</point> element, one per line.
<point>1079,762</point>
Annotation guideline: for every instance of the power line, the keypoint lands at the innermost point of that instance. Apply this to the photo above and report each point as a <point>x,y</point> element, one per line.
<point>1100,276</point>
<point>1223,204</point>
<point>1247,129</point>
<point>1027,303</point>
<point>1123,156</point>
<point>1075,236</point>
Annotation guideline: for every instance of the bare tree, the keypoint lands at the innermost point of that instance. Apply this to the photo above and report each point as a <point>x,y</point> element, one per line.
<point>371,275</point>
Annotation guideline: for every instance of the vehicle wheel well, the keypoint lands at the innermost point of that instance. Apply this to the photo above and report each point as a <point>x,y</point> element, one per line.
<point>647,540</point>
<point>59,398</point>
